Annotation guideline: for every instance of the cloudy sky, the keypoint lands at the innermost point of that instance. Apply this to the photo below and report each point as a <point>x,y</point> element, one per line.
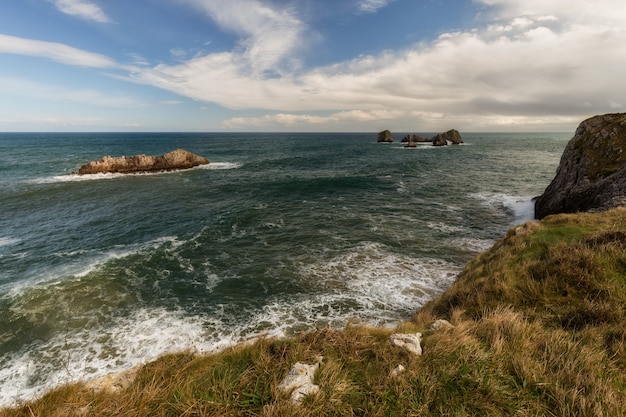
<point>310,65</point>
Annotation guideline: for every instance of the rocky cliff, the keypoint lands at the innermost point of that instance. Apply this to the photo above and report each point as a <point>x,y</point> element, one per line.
<point>385,136</point>
<point>177,159</point>
<point>442,139</point>
<point>592,173</point>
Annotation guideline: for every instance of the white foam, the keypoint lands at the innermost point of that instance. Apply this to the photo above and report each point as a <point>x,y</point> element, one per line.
<point>371,284</point>
<point>116,175</point>
<point>87,355</point>
<point>472,245</point>
<point>6,241</point>
<point>444,227</point>
<point>221,165</point>
<point>86,263</point>
<point>521,207</point>
<point>380,281</point>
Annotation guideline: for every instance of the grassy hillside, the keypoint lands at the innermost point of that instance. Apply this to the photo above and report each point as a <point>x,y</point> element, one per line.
<point>540,330</point>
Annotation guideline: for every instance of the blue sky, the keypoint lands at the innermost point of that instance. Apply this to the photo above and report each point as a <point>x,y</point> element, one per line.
<point>310,65</point>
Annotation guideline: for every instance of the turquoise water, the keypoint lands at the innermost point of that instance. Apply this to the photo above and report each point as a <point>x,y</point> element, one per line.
<point>279,234</point>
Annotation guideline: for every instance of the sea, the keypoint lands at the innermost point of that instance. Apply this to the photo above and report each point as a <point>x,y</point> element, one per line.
<point>281,233</point>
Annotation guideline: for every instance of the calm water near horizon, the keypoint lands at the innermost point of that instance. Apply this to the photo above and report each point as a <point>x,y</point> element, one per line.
<point>280,233</point>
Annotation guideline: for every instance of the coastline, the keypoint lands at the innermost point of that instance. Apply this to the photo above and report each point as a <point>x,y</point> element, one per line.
<point>493,324</point>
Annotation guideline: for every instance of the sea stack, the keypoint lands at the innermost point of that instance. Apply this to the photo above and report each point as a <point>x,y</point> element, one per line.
<point>175,160</point>
<point>385,136</point>
<point>592,173</point>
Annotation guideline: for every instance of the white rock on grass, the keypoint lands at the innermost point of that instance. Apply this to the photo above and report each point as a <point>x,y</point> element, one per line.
<point>441,324</point>
<point>397,371</point>
<point>299,381</point>
<point>299,394</point>
<point>409,342</point>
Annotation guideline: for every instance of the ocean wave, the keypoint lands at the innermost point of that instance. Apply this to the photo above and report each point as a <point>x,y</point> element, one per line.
<point>380,281</point>
<point>82,263</point>
<point>521,207</point>
<point>91,354</point>
<point>472,245</point>
<point>221,165</point>
<point>73,177</point>
<point>7,241</point>
<point>369,284</point>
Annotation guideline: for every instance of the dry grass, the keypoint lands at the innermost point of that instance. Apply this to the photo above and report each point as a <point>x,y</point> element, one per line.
<point>540,330</point>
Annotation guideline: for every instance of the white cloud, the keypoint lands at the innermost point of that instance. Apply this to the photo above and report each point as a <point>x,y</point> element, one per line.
<point>526,62</point>
<point>347,118</point>
<point>372,6</point>
<point>83,9</point>
<point>268,35</point>
<point>60,94</point>
<point>55,51</point>
<point>529,63</point>
<point>172,102</point>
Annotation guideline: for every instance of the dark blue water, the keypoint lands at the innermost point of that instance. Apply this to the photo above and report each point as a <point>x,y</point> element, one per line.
<point>280,233</point>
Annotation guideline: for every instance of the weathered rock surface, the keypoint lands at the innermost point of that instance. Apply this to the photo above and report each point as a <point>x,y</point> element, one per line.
<point>415,138</point>
<point>452,136</point>
<point>407,341</point>
<point>397,371</point>
<point>177,159</point>
<point>300,382</point>
<point>592,173</point>
<point>441,325</point>
<point>385,136</point>
<point>440,140</point>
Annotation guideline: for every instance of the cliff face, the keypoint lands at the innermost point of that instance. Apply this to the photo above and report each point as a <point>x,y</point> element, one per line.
<point>592,171</point>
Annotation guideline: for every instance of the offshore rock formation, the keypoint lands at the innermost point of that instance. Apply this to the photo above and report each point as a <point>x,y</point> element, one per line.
<point>415,138</point>
<point>592,173</point>
<point>453,136</point>
<point>177,159</point>
<point>385,136</point>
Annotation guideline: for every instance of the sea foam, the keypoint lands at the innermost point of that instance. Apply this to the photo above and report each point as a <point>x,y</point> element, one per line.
<point>73,177</point>
<point>521,207</point>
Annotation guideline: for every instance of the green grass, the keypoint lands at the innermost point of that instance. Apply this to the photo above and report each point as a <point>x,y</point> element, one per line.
<point>540,330</point>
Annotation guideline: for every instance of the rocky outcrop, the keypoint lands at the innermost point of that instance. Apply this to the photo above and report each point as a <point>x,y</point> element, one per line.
<point>177,159</point>
<point>453,136</point>
<point>440,140</point>
<point>592,173</point>
<point>407,341</point>
<point>415,138</point>
<point>385,136</point>
<point>300,381</point>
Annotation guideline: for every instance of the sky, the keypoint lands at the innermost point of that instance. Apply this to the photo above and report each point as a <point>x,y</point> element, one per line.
<point>310,65</point>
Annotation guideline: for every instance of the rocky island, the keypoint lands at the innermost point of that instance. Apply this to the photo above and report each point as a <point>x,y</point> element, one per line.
<point>174,160</point>
<point>441,139</point>
<point>592,173</point>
